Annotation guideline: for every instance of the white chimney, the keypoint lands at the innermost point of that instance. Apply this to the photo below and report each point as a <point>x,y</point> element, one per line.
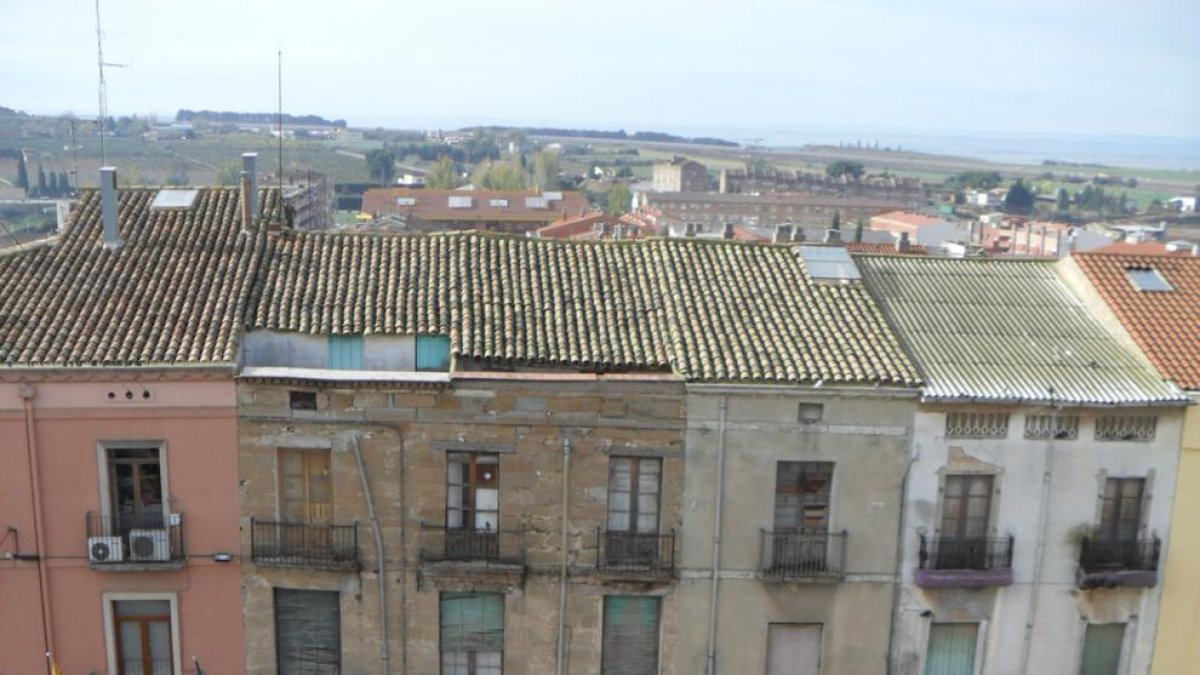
<point>108,207</point>
<point>249,160</point>
<point>245,191</point>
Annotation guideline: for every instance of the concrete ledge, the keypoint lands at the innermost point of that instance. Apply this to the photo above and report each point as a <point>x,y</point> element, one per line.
<point>1116,578</point>
<point>166,566</point>
<point>926,578</point>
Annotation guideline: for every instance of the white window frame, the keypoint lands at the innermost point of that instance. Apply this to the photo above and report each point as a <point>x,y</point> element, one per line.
<point>110,634</point>
<point>102,449</point>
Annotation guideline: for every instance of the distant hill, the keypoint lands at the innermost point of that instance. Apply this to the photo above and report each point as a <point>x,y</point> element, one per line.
<point>254,118</point>
<point>620,135</point>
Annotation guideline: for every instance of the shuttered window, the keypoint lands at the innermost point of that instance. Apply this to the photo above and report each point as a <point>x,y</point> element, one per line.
<point>308,638</point>
<point>472,633</point>
<point>433,352</point>
<point>802,496</point>
<point>1102,649</point>
<point>630,635</point>
<point>1121,509</point>
<point>951,649</point>
<point>305,488</point>
<point>346,352</point>
<point>793,649</point>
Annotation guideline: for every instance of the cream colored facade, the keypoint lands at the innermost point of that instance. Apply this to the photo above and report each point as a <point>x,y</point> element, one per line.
<point>1177,650</point>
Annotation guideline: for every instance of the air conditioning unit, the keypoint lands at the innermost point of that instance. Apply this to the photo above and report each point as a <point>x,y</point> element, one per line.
<point>150,545</point>
<point>105,550</point>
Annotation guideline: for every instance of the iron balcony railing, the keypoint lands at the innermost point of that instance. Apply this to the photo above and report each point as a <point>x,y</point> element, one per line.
<point>138,538</point>
<point>635,551</point>
<point>1131,554</point>
<point>446,544</point>
<point>945,553</point>
<point>304,545</point>
<point>802,553</point>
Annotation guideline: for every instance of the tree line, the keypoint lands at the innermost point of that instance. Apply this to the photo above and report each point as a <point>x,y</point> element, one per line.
<point>185,115</point>
<point>51,184</point>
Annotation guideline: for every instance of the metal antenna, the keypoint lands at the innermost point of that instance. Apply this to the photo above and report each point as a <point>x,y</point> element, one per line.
<point>103,86</point>
<point>279,87</point>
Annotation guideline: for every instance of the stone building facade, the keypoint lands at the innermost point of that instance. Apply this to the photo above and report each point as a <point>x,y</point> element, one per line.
<point>680,175</point>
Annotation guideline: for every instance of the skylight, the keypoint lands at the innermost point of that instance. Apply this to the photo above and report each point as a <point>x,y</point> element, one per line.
<point>1149,280</point>
<point>553,196</point>
<point>829,263</point>
<point>174,199</point>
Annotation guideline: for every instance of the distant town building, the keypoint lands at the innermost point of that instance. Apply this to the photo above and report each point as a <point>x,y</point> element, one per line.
<point>921,229</point>
<point>680,175</point>
<point>1014,235</point>
<point>1184,204</point>
<point>765,210</point>
<point>517,211</point>
<point>908,191</point>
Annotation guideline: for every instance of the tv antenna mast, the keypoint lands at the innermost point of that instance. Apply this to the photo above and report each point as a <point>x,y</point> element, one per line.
<point>103,86</point>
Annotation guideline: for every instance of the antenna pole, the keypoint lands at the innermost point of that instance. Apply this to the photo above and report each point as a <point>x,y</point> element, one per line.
<point>279,88</point>
<point>103,102</point>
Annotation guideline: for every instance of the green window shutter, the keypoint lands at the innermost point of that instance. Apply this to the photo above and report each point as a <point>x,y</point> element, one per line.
<point>307,632</point>
<point>433,352</point>
<point>951,649</point>
<point>472,622</point>
<point>630,635</point>
<point>346,352</point>
<point>1102,648</point>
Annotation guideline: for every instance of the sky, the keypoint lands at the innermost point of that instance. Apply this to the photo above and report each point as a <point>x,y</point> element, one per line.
<point>1107,67</point>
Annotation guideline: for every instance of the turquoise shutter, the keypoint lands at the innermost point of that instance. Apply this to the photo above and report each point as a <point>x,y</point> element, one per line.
<point>433,352</point>
<point>1102,648</point>
<point>951,649</point>
<point>472,622</point>
<point>346,352</point>
<point>630,635</point>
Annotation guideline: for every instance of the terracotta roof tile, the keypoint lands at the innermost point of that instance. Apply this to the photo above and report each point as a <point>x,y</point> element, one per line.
<point>1166,325</point>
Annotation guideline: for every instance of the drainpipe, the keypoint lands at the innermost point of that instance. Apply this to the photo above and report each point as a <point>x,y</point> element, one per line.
<point>719,488</point>
<point>27,392</point>
<point>1041,541</point>
<point>900,538</point>
<point>379,554</point>
<point>560,660</point>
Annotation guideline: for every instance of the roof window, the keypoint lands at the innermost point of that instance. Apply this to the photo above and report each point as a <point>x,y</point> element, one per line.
<point>829,264</point>
<point>174,199</point>
<point>1148,280</point>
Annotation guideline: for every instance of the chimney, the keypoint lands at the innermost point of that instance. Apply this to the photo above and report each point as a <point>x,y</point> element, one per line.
<point>783,233</point>
<point>833,236</point>
<point>1195,249</point>
<point>247,208</point>
<point>108,207</point>
<point>249,162</point>
<point>606,229</point>
<point>902,244</point>
<point>798,235</point>
<point>728,233</point>
<point>619,231</point>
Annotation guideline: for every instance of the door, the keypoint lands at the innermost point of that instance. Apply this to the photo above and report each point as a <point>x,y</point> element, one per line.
<point>136,489</point>
<point>308,636</point>
<point>793,649</point>
<point>144,637</point>
<point>633,503</point>
<point>801,536</point>
<point>305,500</point>
<point>1102,649</point>
<point>951,649</point>
<point>472,505</point>
<point>472,633</point>
<point>966,509</point>
<point>630,635</point>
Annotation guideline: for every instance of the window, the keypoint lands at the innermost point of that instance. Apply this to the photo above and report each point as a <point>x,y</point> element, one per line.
<point>630,635</point>
<point>810,413</point>
<point>966,509</point>
<point>802,496</point>
<point>346,352</point>
<point>1102,649</point>
<point>459,202</point>
<point>1060,427</point>
<point>308,636</point>
<point>472,491</point>
<point>135,486</point>
<point>633,488</point>
<point>143,637</point>
<point>433,352</point>
<point>1148,280</point>
<point>536,203</point>
<point>977,425</point>
<point>951,649</point>
<point>406,201</point>
<point>1126,428</point>
<point>302,400</point>
<point>1121,509</point>
<point>498,202</point>
<point>793,649</point>
<point>305,487</point>
<point>472,633</point>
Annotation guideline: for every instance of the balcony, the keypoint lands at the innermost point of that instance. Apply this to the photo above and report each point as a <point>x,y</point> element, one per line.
<point>1109,564</point>
<point>965,563</point>
<point>328,547</point>
<point>472,560</point>
<point>802,555</point>
<point>135,542</point>
<point>635,554</point>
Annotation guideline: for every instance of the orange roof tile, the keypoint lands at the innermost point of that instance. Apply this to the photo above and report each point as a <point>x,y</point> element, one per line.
<point>1165,324</point>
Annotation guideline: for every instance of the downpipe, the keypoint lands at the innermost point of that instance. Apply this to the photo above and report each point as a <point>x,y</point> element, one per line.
<point>560,649</point>
<point>380,566</point>
<point>1040,552</point>
<point>27,393</point>
<point>718,501</point>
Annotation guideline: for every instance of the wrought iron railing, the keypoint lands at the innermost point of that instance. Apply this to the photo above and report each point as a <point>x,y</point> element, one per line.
<point>943,553</point>
<point>802,553</point>
<point>635,551</point>
<point>304,545</point>
<point>443,544</point>
<point>142,538</point>
<point>1132,554</point>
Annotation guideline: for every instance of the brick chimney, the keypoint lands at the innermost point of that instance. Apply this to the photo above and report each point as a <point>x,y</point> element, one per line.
<point>108,207</point>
